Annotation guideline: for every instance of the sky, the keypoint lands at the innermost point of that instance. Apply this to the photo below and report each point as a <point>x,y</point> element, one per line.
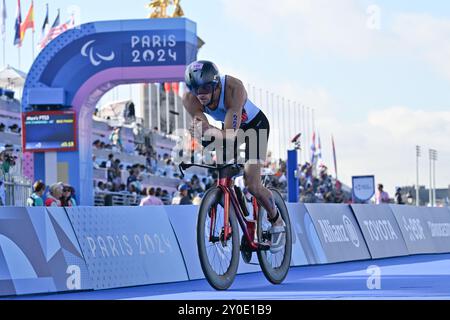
<point>376,73</point>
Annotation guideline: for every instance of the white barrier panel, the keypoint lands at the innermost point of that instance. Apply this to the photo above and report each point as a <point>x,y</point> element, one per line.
<point>128,246</point>
<point>184,222</point>
<point>39,252</point>
<point>438,221</point>
<point>413,224</point>
<point>306,246</point>
<point>338,232</point>
<point>380,229</point>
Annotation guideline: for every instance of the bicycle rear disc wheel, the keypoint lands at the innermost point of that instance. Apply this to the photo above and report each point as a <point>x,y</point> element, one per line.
<point>219,257</point>
<point>275,266</point>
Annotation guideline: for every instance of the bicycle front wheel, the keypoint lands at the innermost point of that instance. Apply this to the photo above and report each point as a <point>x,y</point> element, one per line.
<point>219,257</point>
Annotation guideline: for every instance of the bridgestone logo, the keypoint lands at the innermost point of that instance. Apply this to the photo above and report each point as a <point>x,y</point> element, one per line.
<point>380,230</point>
<point>335,233</point>
<point>439,229</point>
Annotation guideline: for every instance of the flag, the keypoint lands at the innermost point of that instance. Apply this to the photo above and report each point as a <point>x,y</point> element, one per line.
<point>334,157</point>
<point>56,30</point>
<point>319,152</point>
<point>3,17</point>
<point>17,36</point>
<point>45,24</point>
<point>28,23</point>
<point>313,148</point>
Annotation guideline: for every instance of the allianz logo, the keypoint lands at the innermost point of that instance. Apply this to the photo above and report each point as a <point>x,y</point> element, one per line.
<point>335,233</point>
<point>380,230</point>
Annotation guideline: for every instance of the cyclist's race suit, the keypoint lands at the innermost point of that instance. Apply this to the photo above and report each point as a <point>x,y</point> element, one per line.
<point>252,118</point>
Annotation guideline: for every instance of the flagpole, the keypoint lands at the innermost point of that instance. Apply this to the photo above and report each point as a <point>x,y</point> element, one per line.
<point>32,41</point>
<point>4,53</point>
<point>18,56</point>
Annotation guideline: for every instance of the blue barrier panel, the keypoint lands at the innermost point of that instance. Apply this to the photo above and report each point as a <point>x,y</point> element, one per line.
<point>306,246</point>
<point>184,222</point>
<point>127,246</point>
<point>39,252</point>
<point>338,232</point>
<point>413,224</point>
<point>381,231</point>
<point>439,227</point>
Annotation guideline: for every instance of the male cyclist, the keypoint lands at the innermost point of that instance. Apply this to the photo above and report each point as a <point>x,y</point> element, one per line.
<point>225,100</point>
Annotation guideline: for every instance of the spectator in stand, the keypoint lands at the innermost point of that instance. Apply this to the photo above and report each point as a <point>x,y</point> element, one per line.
<point>66,198</point>
<point>151,199</point>
<point>123,188</point>
<point>184,194</point>
<point>308,195</point>
<point>338,194</point>
<point>94,162</point>
<point>158,192</point>
<point>100,187</point>
<point>204,184</point>
<point>97,144</point>
<point>195,184</point>
<point>133,177</point>
<point>198,199</point>
<point>110,161</point>
<point>14,128</point>
<point>54,195</point>
<point>169,169</point>
<point>116,140</point>
<point>35,200</point>
<point>109,187</point>
<point>165,197</point>
<point>117,181</point>
<point>381,195</point>
<point>398,196</point>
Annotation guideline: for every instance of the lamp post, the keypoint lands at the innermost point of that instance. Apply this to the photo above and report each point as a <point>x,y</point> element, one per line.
<point>418,152</point>
<point>434,158</point>
<point>432,193</point>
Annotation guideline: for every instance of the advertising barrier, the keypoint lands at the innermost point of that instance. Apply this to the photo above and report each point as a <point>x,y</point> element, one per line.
<point>413,223</point>
<point>184,222</point>
<point>306,246</point>
<point>338,232</point>
<point>439,226</point>
<point>381,231</point>
<point>81,248</point>
<point>39,252</point>
<point>128,246</point>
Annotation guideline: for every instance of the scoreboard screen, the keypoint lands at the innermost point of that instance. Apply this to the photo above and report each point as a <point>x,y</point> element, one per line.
<point>49,131</point>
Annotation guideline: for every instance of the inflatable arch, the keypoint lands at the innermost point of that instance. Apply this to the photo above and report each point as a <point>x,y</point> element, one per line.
<point>76,69</point>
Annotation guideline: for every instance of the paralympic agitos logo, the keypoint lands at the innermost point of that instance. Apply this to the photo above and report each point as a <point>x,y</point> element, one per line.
<point>95,58</point>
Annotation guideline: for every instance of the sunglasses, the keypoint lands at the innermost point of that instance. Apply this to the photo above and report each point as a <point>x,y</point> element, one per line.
<point>204,89</point>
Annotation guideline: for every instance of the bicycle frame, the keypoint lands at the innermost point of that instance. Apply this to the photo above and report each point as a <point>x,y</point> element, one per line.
<point>248,227</point>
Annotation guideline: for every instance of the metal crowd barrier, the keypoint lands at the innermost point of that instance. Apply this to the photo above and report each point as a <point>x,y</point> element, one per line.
<point>109,199</point>
<point>17,191</point>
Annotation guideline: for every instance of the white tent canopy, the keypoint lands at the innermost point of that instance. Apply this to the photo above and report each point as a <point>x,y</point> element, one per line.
<point>11,78</point>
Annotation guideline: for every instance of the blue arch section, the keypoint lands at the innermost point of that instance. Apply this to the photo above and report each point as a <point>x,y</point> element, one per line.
<point>76,69</point>
<point>134,43</point>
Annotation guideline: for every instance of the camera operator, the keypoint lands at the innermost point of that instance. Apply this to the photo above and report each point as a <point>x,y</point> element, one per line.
<point>7,159</point>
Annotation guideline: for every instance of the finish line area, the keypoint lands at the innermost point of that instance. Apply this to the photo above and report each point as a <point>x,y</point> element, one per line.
<point>420,277</point>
